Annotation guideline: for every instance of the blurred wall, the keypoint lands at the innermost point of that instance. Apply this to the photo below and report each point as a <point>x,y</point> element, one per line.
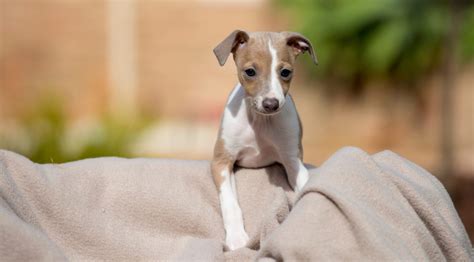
<point>63,48</point>
<point>51,45</point>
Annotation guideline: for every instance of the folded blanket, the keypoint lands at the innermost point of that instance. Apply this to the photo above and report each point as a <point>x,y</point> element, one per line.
<point>355,206</point>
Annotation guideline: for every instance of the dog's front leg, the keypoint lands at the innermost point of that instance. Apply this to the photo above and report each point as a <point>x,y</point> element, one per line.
<point>236,237</point>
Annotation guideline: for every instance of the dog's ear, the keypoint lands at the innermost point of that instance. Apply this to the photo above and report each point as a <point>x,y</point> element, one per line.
<point>229,45</point>
<point>300,44</point>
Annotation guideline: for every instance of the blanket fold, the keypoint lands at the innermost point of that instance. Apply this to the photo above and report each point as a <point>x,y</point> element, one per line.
<point>355,206</point>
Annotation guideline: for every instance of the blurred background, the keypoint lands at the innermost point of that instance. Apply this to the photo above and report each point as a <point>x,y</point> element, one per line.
<point>89,78</point>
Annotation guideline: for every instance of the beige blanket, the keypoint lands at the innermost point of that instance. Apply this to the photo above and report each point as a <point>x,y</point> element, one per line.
<point>354,207</point>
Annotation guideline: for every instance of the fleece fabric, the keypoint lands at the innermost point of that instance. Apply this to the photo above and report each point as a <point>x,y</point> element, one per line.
<point>355,206</point>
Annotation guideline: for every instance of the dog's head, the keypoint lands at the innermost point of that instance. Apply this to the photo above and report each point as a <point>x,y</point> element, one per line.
<point>264,63</point>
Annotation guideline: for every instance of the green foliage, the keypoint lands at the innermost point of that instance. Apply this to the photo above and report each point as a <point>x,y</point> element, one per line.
<point>50,138</point>
<point>384,39</point>
<point>113,138</point>
<point>467,35</point>
<point>45,126</point>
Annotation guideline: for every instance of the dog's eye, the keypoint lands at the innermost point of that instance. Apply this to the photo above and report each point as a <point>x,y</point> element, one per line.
<point>250,72</point>
<point>285,73</point>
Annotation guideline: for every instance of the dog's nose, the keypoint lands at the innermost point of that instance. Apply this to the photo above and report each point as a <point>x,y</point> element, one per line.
<point>270,104</point>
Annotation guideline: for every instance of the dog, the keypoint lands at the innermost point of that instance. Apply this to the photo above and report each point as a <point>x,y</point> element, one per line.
<point>260,125</point>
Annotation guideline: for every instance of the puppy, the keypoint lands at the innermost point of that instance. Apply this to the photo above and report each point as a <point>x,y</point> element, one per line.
<point>260,124</point>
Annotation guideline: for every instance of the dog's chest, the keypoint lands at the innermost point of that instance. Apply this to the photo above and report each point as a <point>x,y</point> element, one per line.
<point>255,151</point>
<point>256,141</point>
<point>251,147</point>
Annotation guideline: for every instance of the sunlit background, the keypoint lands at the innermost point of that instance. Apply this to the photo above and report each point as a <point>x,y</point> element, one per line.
<point>88,78</point>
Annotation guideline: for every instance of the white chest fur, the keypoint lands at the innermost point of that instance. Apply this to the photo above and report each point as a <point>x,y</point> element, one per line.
<point>256,140</point>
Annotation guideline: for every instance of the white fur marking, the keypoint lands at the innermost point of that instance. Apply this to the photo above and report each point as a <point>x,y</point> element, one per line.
<point>302,176</point>
<point>234,188</point>
<point>234,92</point>
<point>236,237</point>
<point>236,131</point>
<point>275,86</point>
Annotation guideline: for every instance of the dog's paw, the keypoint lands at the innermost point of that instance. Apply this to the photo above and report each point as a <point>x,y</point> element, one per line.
<point>236,239</point>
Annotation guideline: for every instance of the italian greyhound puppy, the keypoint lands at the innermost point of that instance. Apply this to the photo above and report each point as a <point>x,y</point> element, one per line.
<point>260,125</point>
